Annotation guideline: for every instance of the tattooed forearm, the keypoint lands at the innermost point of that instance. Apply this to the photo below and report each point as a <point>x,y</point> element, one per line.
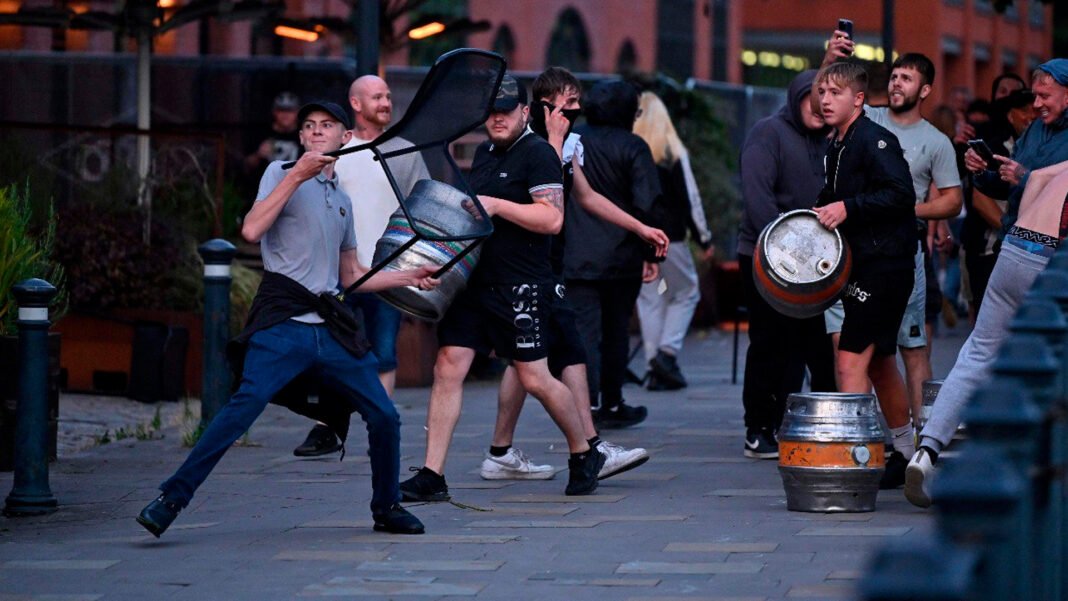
<point>554,197</point>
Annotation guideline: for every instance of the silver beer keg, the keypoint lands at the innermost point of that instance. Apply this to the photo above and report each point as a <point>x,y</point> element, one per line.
<point>800,267</point>
<point>831,452</point>
<point>435,208</point>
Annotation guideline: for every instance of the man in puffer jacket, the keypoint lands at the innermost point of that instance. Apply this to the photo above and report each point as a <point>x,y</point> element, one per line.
<point>781,170</point>
<point>604,264</point>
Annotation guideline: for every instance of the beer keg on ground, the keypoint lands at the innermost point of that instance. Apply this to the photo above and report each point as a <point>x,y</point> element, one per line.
<point>435,208</point>
<point>930,393</point>
<point>831,452</point>
<point>800,267</point>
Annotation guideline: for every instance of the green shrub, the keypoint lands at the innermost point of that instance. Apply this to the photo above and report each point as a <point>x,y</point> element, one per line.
<point>25,252</point>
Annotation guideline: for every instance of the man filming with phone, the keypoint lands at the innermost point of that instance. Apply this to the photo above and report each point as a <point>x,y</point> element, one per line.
<point>1043,143</point>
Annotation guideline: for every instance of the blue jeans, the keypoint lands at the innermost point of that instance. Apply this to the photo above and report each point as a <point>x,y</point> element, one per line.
<point>382,322</point>
<point>276,356</point>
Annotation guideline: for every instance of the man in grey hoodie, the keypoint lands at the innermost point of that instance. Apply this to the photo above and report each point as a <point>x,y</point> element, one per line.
<point>781,170</point>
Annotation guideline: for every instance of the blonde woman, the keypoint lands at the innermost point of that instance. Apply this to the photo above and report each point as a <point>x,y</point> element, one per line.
<point>666,305</point>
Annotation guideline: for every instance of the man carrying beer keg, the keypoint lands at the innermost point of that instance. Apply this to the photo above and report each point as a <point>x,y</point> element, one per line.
<point>782,170</point>
<point>507,306</point>
<point>868,196</point>
<point>931,159</point>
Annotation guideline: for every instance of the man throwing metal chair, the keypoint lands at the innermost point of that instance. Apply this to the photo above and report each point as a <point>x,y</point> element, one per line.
<point>297,325</point>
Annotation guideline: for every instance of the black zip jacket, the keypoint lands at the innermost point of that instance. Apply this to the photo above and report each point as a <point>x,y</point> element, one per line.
<point>868,172</point>
<point>619,165</point>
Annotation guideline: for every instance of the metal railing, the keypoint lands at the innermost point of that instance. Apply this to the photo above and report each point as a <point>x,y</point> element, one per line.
<point>1002,510</point>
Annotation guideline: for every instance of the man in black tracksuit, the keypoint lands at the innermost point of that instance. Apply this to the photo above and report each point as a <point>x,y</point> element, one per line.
<point>782,170</point>
<point>605,265</point>
<point>869,196</point>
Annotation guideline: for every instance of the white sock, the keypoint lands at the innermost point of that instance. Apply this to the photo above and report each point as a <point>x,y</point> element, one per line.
<point>904,440</point>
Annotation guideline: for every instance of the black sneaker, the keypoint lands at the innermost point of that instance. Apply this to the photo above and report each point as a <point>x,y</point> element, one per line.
<point>666,369</point>
<point>894,476</point>
<point>158,515</point>
<point>582,473</point>
<point>397,520</point>
<point>761,444</point>
<point>425,485</point>
<point>620,416</point>
<point>654,383</point>
<point>321,441</point>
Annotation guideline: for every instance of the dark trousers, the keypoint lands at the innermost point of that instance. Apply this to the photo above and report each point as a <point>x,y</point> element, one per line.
<point>780,348</point>
<point>276,356</point>
<point>979,269</point>
<point>602,313</point>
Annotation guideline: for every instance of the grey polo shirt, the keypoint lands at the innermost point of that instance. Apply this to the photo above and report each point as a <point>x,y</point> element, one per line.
<point>305,242</point>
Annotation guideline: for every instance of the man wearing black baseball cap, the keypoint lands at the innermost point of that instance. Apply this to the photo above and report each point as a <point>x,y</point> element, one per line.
<point>298,326</point>
<point>507,306</point>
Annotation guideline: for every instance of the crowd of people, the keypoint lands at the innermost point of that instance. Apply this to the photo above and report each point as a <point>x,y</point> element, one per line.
<point>894,185</point>
<point>591,223</point>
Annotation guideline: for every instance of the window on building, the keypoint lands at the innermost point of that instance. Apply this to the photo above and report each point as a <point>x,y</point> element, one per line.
<point>674,37</point>
<point>10,35</point>
<point>984,6</point>
<point>504,43</point>
<point>1036,13</point>
<point>569,45</point>
<point>627,59</point>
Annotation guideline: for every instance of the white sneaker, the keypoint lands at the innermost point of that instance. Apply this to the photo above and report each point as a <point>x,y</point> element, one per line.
<point>918,476</point>
<point>514,465</point>
<point>618,459</point>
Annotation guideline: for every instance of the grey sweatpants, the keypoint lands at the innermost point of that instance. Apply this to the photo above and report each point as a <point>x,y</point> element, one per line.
<point>1014,272</point>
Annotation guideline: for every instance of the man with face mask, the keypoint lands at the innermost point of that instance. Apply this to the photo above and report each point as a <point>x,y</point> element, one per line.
<point>553,113</point>
<point>781,170</point>
<point>508,302</point>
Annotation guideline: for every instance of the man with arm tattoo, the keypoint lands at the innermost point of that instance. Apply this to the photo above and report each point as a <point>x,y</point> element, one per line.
<point>508,302</point>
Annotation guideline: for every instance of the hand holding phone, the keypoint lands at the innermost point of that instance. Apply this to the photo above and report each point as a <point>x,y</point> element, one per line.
<point>846,27</point>
<point>980,147</point>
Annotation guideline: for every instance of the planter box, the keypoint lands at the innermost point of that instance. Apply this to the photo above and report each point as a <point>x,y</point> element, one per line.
<point>98,350</point>
<point>9,391</point>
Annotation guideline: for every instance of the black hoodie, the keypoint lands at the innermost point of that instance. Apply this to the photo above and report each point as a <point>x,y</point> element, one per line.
<point>619,165</point>
<point>781,165</point>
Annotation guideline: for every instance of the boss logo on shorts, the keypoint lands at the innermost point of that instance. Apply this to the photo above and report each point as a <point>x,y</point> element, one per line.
<point>526,317</point>
<point>855,291</point>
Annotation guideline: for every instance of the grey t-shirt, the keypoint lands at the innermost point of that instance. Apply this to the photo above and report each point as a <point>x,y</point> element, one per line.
<point>305,242</point>
<point>928,152</point>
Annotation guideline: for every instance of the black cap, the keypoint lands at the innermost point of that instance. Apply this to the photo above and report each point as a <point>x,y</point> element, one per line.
<point>286,101</point>
<point>327,107</point>
<point>510,95</point>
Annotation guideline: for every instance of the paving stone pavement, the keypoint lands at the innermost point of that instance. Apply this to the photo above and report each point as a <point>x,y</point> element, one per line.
<point>698,521</point>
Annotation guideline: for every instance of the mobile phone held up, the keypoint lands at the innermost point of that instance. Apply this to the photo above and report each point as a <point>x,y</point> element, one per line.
<point>980,147</point>
<point>846,26</point>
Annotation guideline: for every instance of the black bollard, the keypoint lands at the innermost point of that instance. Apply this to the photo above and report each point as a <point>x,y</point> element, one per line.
<point>31,494</point>
<point>979,497</point>
<point>215,385</point>
<point>1028,364</point>
<point>926,567</point>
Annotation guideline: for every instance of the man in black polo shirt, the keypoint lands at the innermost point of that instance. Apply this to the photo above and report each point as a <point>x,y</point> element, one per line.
<point>507,305</point>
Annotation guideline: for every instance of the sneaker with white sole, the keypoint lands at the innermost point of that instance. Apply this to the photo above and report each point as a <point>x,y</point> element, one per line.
<point>918,476</point>
<point>514,465</point>
<point>761,444</point>
<point>618,459</point>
